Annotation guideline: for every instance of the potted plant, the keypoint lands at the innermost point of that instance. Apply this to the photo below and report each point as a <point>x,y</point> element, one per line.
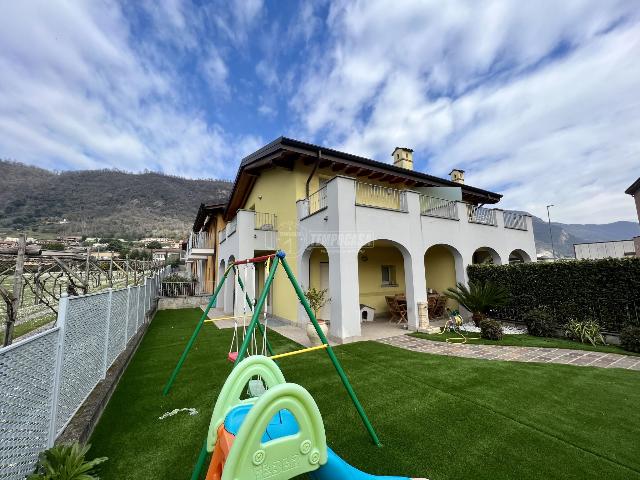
<point>317,299</point>
<point>478,298</point>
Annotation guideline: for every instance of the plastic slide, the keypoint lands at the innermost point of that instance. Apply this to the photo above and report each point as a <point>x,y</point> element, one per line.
<point>284,424</point>
<point>275,436</point>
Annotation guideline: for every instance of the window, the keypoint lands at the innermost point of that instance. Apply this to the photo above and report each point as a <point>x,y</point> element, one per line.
<point>388,276</point>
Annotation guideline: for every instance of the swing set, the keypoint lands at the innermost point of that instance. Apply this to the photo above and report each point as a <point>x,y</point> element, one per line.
<point>249,343</point>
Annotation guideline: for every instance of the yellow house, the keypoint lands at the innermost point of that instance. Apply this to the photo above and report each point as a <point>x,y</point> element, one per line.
<point>367,231</point>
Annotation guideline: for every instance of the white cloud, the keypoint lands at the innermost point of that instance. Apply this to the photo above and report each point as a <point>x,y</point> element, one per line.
<point>540,106</point>
<point>77,93</point>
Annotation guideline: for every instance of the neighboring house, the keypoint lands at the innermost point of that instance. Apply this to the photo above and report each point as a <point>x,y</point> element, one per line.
<point>634,191</point>
<point>202,245</point>
<point>162,254</point>
<point>613,249</point>
<point>360,228</point>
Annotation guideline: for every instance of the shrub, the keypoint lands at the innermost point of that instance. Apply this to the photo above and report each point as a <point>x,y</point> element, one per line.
<point>587,330</point>
<point>630,339</point>
<point>478,298</point>
<point>66,462</point>
<point>491,329</point>
<point>540,323</point>
<point>608,290</point>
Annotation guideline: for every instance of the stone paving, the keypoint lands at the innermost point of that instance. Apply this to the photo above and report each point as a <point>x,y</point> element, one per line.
<point>583,358</point>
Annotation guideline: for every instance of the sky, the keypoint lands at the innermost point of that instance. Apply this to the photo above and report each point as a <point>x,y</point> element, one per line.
<point>539,101</point>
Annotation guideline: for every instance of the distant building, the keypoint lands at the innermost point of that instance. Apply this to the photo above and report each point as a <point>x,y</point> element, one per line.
<point>634,191</point>
<point>596,250</point>
<point>162,254</point>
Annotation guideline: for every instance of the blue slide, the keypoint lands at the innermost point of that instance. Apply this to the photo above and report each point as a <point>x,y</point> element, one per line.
<point>337,469</point>
<point>284,423</point>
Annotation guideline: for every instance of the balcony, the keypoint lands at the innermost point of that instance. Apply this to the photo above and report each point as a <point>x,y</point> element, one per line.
<point>438,207</point>
<point>200,245</point>
<point>247,232</point>
<point>314,203</point>
<point>378,196</point>
<point>355,214</point>
<point>481,215</point>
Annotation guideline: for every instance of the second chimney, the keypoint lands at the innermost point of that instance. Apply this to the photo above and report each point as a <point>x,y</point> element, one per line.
<point>457,175</point>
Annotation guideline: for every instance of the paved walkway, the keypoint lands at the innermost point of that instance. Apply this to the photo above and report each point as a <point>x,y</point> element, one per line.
<point>581,358</point>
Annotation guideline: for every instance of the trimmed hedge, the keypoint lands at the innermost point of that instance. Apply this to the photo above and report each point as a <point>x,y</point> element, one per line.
<point>606,290</point>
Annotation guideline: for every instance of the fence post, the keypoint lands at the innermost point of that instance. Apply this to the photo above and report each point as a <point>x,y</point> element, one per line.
<point>105,359</point>
<point>126,324</point>
<point>57,371</point>
<point>138,309</point>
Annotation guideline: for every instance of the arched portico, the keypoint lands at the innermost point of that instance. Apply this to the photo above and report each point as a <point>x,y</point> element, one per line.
<point>444,268</point>
<point>486,255</point>
<point>519,256</point>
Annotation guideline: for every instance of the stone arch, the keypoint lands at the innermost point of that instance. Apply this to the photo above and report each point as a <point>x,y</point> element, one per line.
<point>444,268</point>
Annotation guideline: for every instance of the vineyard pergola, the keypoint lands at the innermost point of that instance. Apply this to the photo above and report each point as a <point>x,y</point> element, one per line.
<point>31,286</point>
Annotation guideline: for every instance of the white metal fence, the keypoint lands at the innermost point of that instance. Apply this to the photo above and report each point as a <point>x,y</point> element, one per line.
<point>484,216</point>
<point>515,220</point>
<point>378,196</point>
<point>46,378</point>
<point>438,207</point>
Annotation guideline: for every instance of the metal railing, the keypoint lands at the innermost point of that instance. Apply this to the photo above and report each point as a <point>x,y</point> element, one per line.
<point>179,289</point>
<point>266,221</point>
<point>484,216</point>
<point>232,226</point>
<point>201,240</point>
<point>378,196</point>
<point>314,203</point>
<point>438,207</point>
<point>515,220</point>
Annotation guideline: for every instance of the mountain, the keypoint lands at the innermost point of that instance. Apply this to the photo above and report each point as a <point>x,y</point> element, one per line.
<point>565,235</point>
<point>110,203</point>
<point>101,203</point>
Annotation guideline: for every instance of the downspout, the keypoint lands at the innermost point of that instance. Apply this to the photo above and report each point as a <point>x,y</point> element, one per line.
<point>315,168</point>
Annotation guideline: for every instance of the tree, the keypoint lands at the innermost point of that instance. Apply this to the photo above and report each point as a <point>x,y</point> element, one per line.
<point>478,298</point>
<point>154,245</point>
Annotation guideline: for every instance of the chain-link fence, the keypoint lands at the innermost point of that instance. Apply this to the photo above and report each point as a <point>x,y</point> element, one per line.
<point>46,378</point>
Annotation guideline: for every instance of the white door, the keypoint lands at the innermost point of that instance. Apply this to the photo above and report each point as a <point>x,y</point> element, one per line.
<point>325,312</point>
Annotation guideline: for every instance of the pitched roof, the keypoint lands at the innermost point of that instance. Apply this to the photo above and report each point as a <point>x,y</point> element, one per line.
<point>635,186</point>
<point>284,151</point>
<point>205,212</point>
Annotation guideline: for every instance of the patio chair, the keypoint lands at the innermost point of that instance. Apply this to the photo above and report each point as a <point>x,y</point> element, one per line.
<point>440,306</point>
<point>402,311</point>
<point>393,308</point>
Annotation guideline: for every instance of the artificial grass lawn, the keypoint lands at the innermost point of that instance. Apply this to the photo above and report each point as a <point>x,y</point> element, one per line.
<point>525,341</point>
<point>438,417</point>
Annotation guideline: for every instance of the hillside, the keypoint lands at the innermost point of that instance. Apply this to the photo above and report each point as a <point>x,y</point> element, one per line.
<point>108,203</point>
<point>104,203</point>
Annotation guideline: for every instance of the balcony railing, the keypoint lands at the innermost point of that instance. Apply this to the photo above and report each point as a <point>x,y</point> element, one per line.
<point>369,195</point>
<point>266,221</point>
<point>484,216</point>
<point>438,207</point>
<point>232,226</point>
<point>201,240</point>
<point>314,203</point>
<point>515,220</point>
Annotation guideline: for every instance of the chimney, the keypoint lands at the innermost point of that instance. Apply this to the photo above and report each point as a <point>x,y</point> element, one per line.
<point>457,175</point>
<point>403,157</point>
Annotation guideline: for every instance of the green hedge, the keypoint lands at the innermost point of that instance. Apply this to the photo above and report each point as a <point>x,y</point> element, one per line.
<point>606,290</point>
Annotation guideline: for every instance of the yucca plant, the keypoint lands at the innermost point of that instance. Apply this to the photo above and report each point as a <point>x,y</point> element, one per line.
<point>66,462</point>
<point>478,298</point>
<point>589,330</point>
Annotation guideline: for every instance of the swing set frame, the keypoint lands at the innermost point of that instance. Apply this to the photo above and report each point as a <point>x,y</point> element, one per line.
<point>278,258</point>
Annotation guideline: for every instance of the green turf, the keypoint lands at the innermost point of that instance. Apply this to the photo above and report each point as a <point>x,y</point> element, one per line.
<point>526,341</point>
<point>438,417</point>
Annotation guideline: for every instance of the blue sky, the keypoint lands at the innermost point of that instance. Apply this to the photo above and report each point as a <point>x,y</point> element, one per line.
<point>537,100</point>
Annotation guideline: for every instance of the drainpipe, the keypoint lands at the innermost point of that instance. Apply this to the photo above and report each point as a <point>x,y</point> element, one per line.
<point>315,168</point>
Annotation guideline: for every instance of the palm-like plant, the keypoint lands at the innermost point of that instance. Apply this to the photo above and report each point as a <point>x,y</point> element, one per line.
<point>478,298</point>
<point>66,462</point>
